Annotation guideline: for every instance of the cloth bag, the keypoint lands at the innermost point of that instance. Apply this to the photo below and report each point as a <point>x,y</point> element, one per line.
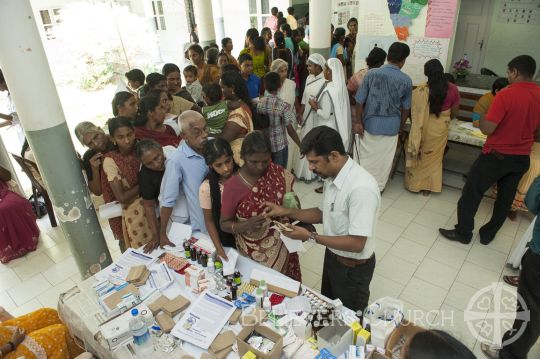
<point>382,317</point>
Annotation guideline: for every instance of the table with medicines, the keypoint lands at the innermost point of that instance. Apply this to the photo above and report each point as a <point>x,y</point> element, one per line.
<point>209,290</point>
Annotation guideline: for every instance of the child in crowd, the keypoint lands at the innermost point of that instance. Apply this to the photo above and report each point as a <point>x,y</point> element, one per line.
<point>193,85</point>
<point>281,117</point>
<point>135,79</point>
<point>217,112</point>
<point>253,82</point>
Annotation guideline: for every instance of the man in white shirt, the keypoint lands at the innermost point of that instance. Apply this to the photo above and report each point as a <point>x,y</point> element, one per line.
<point>349,215</point>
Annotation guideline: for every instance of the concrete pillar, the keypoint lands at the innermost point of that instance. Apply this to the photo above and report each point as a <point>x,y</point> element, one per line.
<point>219,21</point>
<point>320,17</point>
<point>205,21</point>
<point>29,78</point>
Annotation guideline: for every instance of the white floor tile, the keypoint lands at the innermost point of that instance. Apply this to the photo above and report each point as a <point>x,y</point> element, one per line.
<point>309,278</point>
<point>408,250</point>
<point>6,301</point>
<point>502,243</point>
<point>397,217</point>
<point>33,266</point>
<point>423,294</point>
<point>62,271</point>
<point>446,253</point>
<point>383,287</point>
<point>59,252</point>
<point>26,308</point>
<point>418,315</point>
<point>381,248</point>
<point>486,257</point>
<point>460,295</point>
<point>440,206</point>
<point>30,289</point>
<point>436,273</point>
<point>431,219</point>
<point>49,298</point>
<point>476,276</point>
<point>8,279</point>
<point>408,204</point>
<point>388,231</point>
<point>420,234</point>
<point>313,259</point>
<point>395,268</point>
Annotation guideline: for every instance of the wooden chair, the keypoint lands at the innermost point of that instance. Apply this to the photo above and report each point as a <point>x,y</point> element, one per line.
<point>38,186</point>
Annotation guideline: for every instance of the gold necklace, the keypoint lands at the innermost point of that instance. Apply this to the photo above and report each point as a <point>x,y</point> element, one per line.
<point>245,180</point>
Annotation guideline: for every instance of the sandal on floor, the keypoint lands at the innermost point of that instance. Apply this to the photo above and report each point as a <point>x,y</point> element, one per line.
<point>512,280</point>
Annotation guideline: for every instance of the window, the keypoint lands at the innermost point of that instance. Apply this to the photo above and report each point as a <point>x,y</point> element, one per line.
<point>50,18</point>
<point>159,16</point>
<point>259,10</point>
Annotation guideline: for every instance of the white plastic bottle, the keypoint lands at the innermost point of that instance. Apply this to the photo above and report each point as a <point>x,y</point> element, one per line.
<point>140,333</point>
<point>210,268</point>
<point>264,287</point>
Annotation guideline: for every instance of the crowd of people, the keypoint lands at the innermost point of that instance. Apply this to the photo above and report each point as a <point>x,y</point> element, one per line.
<point>223,152</point>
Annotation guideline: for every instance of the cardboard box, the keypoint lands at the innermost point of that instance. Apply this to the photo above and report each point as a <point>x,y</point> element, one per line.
<point>223,341</point>
<point>117,330</point>
<point>165,322</point>
<point>111,301</point>
<point>158,304</point>
<point>336,338</point>
<point>244,347</point>
<point>176,305</point>
<point>276,283</point>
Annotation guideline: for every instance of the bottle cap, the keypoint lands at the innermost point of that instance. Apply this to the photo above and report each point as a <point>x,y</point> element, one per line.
<point>262,282</point>
<point>134,312</point>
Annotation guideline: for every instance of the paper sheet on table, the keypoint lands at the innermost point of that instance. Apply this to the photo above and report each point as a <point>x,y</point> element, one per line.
<point>203,320</point>
<point>474,130</point>
<point>120,268</point>
<point>160,276</point>
<point>179,232</point>
<point>298,304</point>
<point>230,265</point>
<point>292,245</point>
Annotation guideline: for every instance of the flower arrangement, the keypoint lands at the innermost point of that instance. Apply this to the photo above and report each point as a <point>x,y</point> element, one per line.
<point>461,67</point>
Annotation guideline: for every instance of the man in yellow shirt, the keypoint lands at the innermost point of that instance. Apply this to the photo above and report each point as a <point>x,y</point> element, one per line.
<point>291,20</point>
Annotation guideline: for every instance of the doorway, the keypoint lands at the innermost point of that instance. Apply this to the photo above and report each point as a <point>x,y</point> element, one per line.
<point>472,32</point>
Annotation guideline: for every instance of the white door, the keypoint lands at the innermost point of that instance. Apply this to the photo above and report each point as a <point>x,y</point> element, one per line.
<point>472,32</point>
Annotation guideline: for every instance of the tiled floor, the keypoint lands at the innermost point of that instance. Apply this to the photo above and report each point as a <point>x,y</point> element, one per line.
<point>433,277</point>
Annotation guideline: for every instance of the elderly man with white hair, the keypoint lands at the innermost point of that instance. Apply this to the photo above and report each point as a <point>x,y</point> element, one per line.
<point>185,170</point>
<point>307,117</point>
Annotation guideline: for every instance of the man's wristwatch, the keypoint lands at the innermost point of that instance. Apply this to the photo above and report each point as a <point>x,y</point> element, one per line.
<point>312,238</point>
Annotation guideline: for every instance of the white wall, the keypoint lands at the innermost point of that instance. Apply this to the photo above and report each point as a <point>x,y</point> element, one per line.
<point>507,41</point>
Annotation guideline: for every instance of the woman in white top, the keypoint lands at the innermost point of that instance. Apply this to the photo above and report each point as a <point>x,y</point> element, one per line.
<point>307,117</point>
<point>287,91</point>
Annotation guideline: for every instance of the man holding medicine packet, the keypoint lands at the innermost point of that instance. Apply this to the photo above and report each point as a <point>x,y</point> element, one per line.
<point>348,213</point>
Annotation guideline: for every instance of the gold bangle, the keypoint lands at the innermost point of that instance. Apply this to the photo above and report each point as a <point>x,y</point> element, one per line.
<point>232,227</point>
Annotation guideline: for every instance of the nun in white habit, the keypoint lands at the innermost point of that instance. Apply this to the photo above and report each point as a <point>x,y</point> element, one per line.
<point>333,107</point>
<point>315,83</point>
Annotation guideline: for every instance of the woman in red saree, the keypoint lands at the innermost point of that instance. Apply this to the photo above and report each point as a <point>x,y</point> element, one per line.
<point>151,124</point>
<point>19,232</point>
<point>244,196</point>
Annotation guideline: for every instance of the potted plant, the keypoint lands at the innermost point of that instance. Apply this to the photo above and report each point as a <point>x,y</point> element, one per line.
<point>461,67</point>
